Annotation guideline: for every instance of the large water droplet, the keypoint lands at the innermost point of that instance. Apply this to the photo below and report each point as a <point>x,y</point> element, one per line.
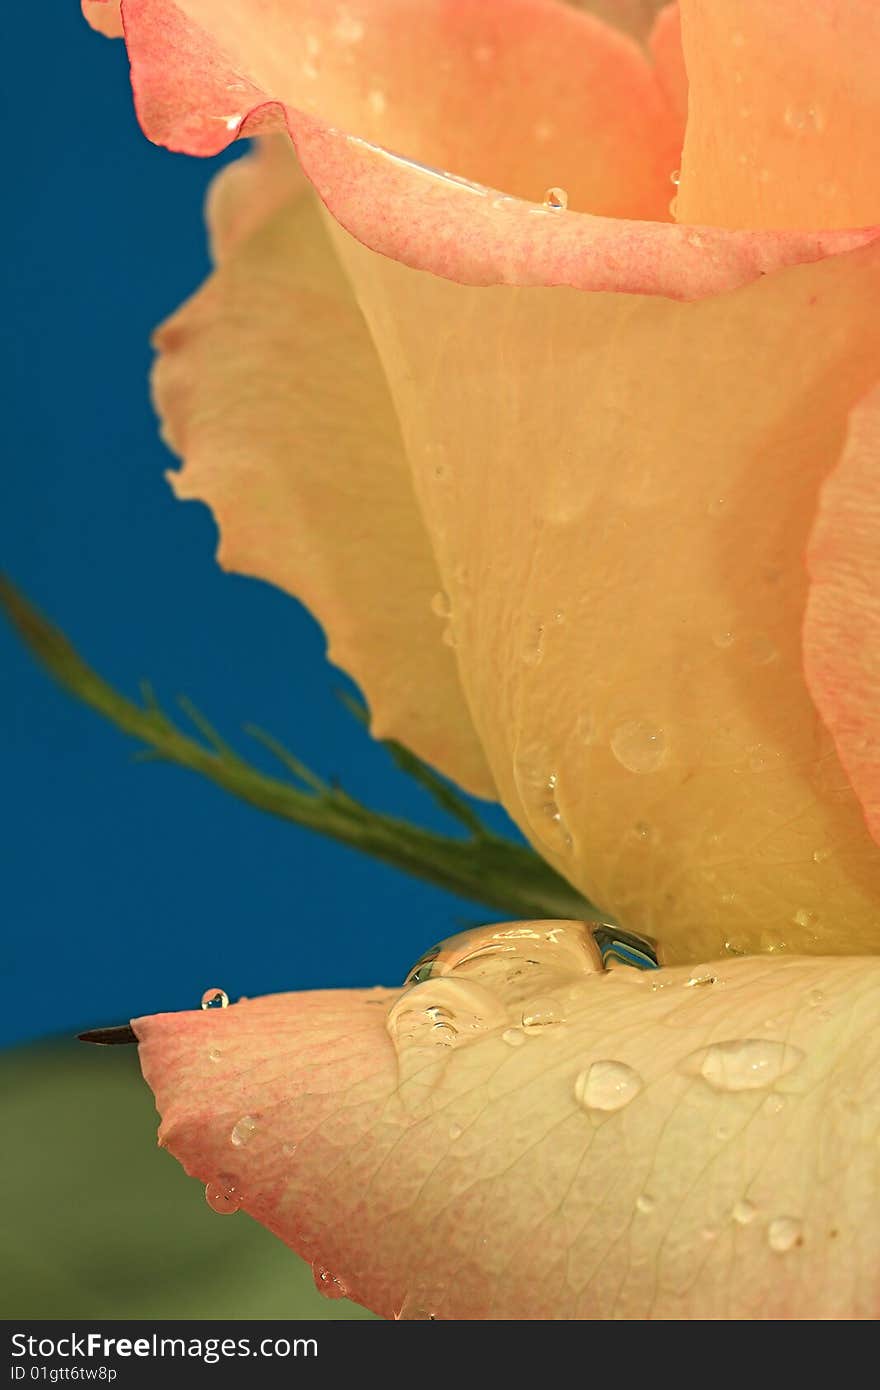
<point>556,199</point>
<point>784,1233</point>
<point>607,1085</point>
<point>639,746</point>
<point>517,957</point>
<point>222,1194</point>
<point>215,998</point>
<point>327,1283</point>
<point>243,1131</point>
<point>743,1064</point>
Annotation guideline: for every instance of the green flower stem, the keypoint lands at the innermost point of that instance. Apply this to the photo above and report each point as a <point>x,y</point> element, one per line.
<point>482,867</point>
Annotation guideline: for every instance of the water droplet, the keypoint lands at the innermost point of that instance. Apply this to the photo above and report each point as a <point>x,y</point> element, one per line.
<point>348,29</point>
<point>784,1234</point>
<point>513,1037</point>
<point>376,102</point>
<point>540,1014</point>
<point>723,638</point>
<point>820,855</point>
<point>607,1086</point>
<point>537,787</point>
<point>288,1150</point>
<point>815,997</point>
<point>455,1132</point>
<point>327,1283</point>
<point>717,506</point>
<point>743,1064</point>
<point>441,606</point>
<point>639,746</point>
<point>215,1054</point>
<point>805,918</point>
<point>556,198</point>
<point>222,1195</point>
<point>773,1105</point>
<point>743,1212</point>
<point>533,646</point>
<point>804,120</point>
<point>233,122</point>
<point>440,1014</point>
<point>645,1203</point>
<point>215,999</point>
<point>675,177</point>
<point>699,979</point>
<point>243,1131</point>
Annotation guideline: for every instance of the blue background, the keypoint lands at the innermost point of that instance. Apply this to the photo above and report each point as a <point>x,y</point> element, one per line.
<point>129,888</point>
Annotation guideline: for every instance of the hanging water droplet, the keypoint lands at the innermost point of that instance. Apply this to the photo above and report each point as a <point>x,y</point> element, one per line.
<point>639,746</point>
<point>556,198</point>
<point>675,177</point>
<point>540,1014</point>
<point>222,1195</point>
<point>743,1212</point>
<point>645,1203</point>
<point>607,1085</point>
<point>327,1283</point>
<point>215,999</point>
<point>441,606</point>
<point>743,1064</point>
<point>243,1131</point>
<point>215,1054</point>
<point>513,1037</point>
<point>784,1233</point>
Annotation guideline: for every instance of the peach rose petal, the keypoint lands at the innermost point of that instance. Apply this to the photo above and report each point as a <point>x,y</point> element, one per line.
<point>522,96</point>
<point>784,116</point>
<point>620,531</point>
<point>245,193</point>
<point>668,55</point>
<point>104,16</point>
<point>269,389</point>
<point>842,624</point>
<point>684,1145</point>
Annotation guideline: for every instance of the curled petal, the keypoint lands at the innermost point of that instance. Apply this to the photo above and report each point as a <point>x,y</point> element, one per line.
<point>784,113</point>
<point>656,1150</point>
<point>105,16</point>
<point>270,390</point>
<point>842,623</point>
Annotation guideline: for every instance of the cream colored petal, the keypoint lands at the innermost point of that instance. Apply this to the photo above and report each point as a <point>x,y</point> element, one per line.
<point>629,487</point>
<point>270,391</point>
<point>704,1150</point>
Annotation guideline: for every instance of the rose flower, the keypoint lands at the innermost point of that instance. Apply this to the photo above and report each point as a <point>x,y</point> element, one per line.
<point>574,341</point>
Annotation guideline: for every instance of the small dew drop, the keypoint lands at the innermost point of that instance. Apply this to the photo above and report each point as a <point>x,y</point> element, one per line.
<point>243,1131</point>
<point>533,646</point>
<point>222,1195</point>
<point>820,855</point>
<point>743,1212</point>
<point>724,638</point>
<point>675,177</point>
<point>514,1037</point>
<point>639,746</point>
<point>717,507</point>
<point>215,999</point>
<point>645,1203</point>
<point>327,1283</point>
<point>700,979</point>
<point>784,1234</point>
<point>455,1132</point>
<point>804,120</point>
<point>215,1054</point>
<point>607,1086</point>
<point>773,1105</point>
<point>441,606</point>
<point>556,199</point>
<point>815,997</point>
<point>541,1014</point>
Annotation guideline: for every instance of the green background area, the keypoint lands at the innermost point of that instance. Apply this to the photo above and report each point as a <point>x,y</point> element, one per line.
<point>98,1222</point>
